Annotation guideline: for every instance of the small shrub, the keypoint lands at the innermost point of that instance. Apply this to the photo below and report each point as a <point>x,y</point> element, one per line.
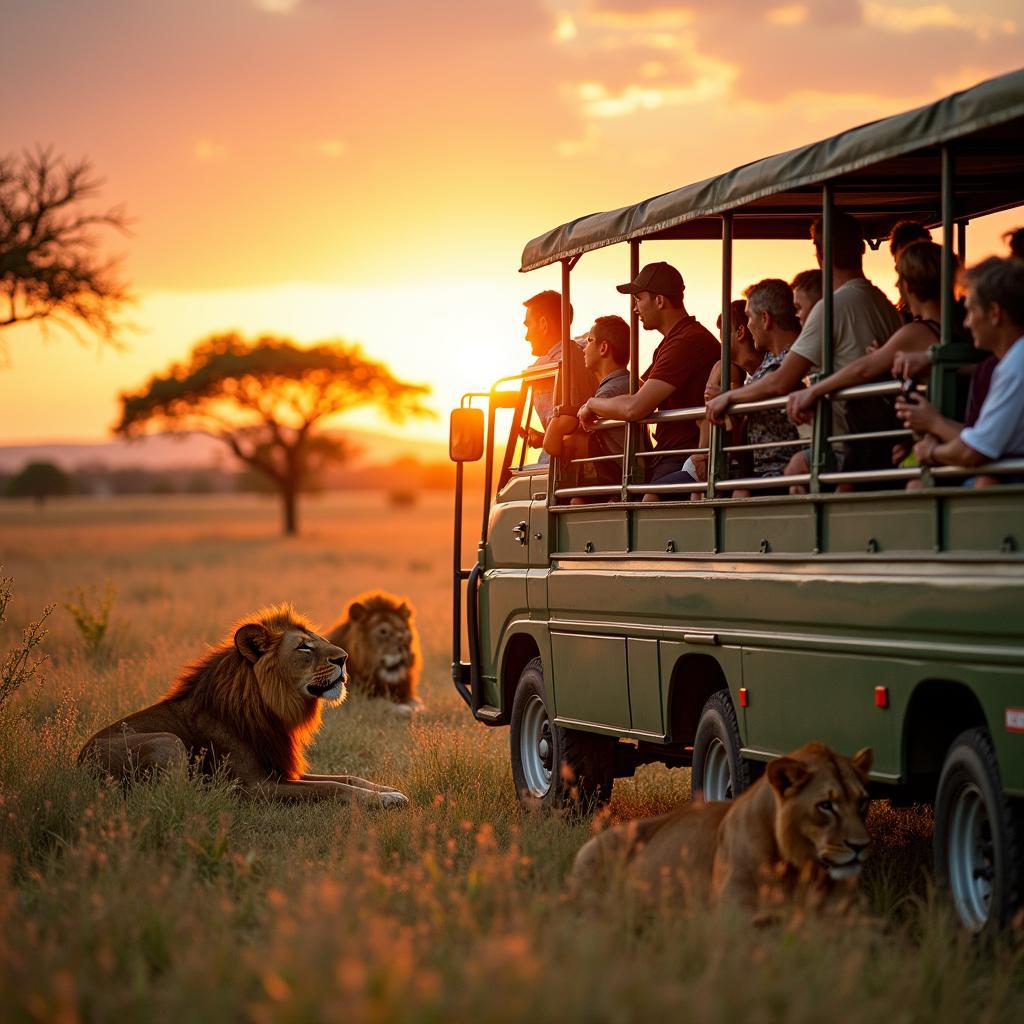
<point>92,622</point>
<point>401,497</point>
<point>18,666</point>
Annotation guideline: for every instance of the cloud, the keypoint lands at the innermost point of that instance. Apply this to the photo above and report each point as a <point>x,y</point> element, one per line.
<point>565,27</point>
<point>907,20</point>
<point>710,81</point>
<point>648,55</point>
<point>207,151</point>
<point>331,147</point>
<point>790,15</point>
<point>277,6</point>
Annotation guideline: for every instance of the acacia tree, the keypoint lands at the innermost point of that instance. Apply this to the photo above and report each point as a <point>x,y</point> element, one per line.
<point>51,269</point>
<point>40,480</point>
<point>266,400</point>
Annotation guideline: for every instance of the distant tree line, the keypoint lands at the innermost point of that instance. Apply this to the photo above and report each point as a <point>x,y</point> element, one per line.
<point>42,480</point>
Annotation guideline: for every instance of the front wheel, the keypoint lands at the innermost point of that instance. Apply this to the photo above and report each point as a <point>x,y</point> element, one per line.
<point>554,767</point>
<point>977,835</point>
<point>719,772</point>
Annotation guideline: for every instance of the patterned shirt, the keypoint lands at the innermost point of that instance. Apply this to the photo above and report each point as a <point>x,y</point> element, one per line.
<point>770,425</point>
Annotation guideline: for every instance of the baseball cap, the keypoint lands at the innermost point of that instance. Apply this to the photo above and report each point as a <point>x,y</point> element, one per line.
<point>657,278</point>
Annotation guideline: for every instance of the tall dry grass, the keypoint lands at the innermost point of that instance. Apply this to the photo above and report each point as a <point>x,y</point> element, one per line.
<point>179,901</point>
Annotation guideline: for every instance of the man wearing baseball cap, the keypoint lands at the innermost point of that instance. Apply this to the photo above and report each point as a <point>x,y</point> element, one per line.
<point>677,374</point>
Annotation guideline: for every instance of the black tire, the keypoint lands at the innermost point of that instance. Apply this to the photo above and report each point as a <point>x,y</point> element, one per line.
<point>552,767</point>
<point>719,772</point>
<point>978,836</point>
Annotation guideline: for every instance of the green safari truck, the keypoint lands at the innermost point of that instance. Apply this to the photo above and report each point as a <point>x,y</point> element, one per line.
<point>722,632</point>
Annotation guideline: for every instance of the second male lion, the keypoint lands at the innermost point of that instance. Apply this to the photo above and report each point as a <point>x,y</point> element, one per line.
<point>798,829</point>
<point>252,704</point>
<point>379,632</point>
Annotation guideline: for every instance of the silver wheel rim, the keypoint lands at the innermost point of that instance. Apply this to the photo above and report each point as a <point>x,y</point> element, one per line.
<point>970,851</point>
<point>717,777</point>
<point>536,748</point>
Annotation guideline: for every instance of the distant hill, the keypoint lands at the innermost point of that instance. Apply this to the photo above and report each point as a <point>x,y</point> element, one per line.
<point>196,451</point>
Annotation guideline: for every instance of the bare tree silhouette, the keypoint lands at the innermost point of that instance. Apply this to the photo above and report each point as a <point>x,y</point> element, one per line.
<point>51,266</point>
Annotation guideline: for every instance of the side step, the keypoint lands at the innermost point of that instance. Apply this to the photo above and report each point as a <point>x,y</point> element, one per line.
<point>489,715</point>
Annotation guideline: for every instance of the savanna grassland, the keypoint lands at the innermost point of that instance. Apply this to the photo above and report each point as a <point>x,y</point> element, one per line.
<point>183,902</point>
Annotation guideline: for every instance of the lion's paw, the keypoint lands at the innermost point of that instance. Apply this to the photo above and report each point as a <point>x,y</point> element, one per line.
<point>392,798</point>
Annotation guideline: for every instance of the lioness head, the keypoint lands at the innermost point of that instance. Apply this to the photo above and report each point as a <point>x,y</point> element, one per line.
<point>289,658</point>
<point>821,802</point>
<point>381,637</point>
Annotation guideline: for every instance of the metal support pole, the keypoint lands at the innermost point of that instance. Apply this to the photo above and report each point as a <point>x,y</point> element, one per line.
<point>566,368</point>
<point>948,356</point>
<point>716,457</point>
<point>947,299</point>
<point>457,579</point>
<point>961,242</point>
<point>632,429</point>
<point>820,450</point>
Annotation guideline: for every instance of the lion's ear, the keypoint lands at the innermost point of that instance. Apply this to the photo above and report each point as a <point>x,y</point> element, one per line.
<point>405,611</point>
<point>252,641</point>
<point>356,611</point>
<point>863,760</point>
<point>787,776</point>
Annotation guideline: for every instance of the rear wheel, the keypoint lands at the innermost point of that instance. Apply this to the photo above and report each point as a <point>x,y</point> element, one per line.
<point>554,767</point>
<point>719,772</point>
<point>977,835</point>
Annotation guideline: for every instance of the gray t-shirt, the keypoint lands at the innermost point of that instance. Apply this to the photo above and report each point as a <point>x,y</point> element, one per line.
<point>999,432</point>
<point>861,314</point>
<point>612,441</point>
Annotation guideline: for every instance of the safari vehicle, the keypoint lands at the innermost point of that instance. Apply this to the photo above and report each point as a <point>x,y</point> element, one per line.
<point>723,632</point>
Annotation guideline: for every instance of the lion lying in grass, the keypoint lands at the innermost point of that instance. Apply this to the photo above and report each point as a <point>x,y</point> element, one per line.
<point>798,831</point>
<point>379,632</point>
<point>253,703</point>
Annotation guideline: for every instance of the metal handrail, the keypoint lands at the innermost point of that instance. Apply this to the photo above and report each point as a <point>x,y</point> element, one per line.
<point>751,483</point>
<point>997,468</point>
<point>700,485</point>
<point>658,452</point>
<point>873,390</point>
<point>767,445</point>
<point>869,435</point>
<point>589,490</point>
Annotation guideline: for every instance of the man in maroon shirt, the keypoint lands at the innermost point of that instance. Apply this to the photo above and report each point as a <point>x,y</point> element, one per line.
<point>677,374</point>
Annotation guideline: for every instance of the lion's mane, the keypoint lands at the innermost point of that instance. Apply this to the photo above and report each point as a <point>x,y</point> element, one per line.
<point>262,708</point>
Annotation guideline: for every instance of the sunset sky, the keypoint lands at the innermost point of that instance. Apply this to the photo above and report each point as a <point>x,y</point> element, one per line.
<point>371,170</point>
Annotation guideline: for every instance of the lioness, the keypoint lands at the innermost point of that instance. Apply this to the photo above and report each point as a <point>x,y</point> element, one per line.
<point>800,825</point>
<point>252,703</point>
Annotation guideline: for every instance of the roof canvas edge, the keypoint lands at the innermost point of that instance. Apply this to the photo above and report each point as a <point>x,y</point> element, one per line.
<point>987,104</point>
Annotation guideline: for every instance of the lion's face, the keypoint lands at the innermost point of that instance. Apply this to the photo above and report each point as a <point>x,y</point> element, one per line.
<point>388,638</point>
<point>821,803</point>
<point>297,659</point>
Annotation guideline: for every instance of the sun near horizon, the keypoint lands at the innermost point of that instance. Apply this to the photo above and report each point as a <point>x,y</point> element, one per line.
<point>310,170</point>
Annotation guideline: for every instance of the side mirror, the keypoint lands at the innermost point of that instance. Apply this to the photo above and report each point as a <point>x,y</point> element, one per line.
<point>466,435</point>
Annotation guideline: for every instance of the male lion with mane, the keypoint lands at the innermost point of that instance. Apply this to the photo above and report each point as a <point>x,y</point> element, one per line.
<point>379,632</point>
<point>798,830</point>
<point>253,703</point>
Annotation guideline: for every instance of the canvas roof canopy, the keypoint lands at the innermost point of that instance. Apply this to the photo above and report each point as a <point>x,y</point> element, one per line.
<point>882,172</point>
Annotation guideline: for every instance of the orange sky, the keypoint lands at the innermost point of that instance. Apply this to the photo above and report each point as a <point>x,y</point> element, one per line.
<point>372,170</point>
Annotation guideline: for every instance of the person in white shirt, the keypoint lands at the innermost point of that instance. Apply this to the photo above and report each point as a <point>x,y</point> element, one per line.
<point>995,317</point>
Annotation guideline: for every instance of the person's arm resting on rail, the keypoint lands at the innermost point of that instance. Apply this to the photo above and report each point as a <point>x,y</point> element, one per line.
<point>800,407</point>
<point>931,452</point>
<point>626,407</point>
<point>772,385</point>
<point>559,428</point>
